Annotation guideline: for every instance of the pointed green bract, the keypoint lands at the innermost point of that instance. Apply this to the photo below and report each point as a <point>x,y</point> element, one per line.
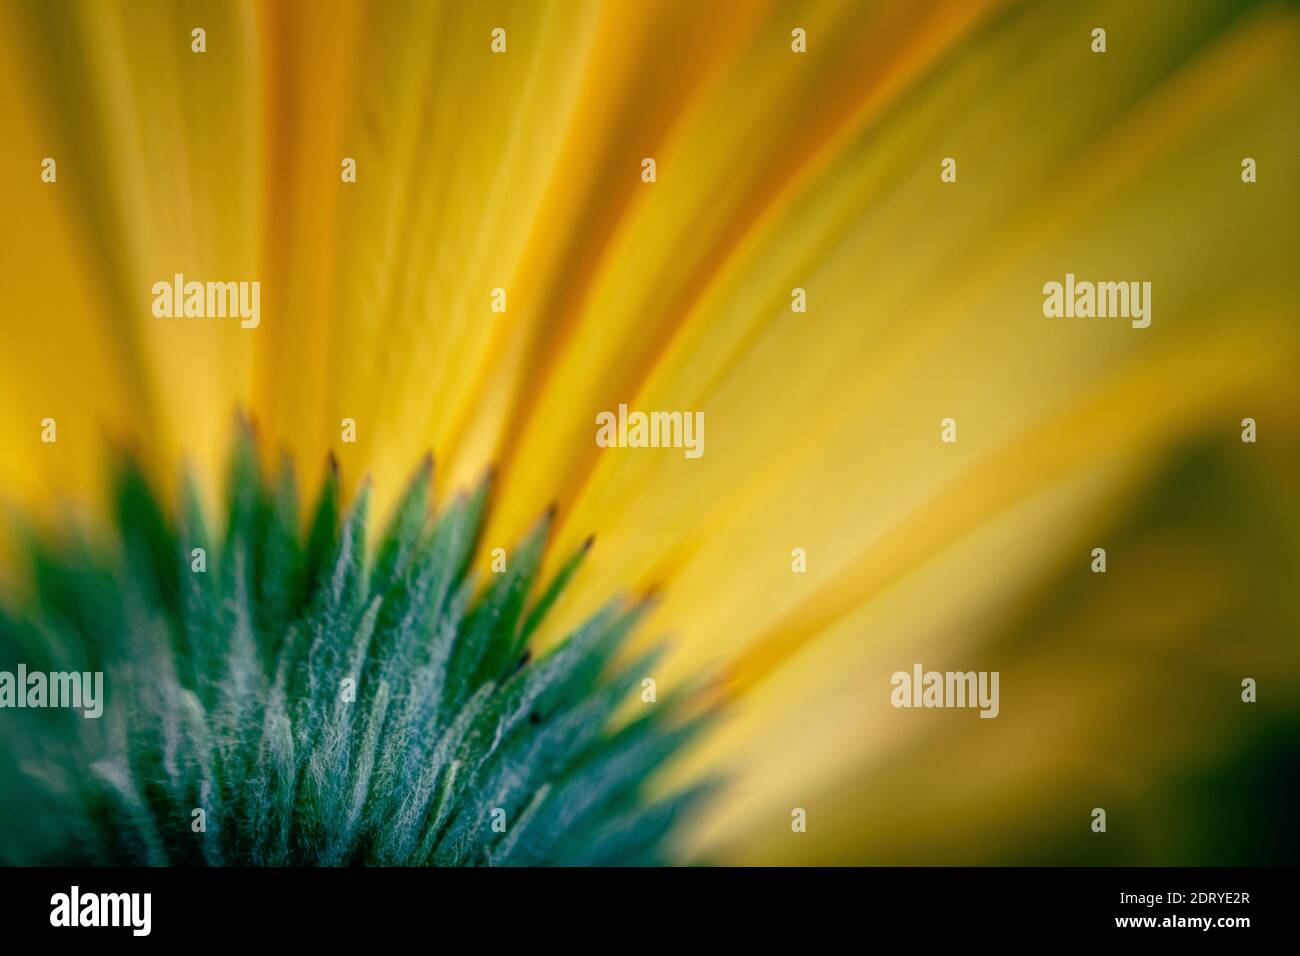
<point>297,703</point>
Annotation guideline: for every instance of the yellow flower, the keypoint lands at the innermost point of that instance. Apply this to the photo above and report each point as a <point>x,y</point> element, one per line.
<point>775,170</point>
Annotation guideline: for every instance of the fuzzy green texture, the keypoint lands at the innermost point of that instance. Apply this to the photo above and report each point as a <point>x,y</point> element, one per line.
<point>227,690</point>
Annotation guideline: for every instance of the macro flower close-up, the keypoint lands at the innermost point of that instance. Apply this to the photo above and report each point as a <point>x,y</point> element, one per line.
<point>576,432</point>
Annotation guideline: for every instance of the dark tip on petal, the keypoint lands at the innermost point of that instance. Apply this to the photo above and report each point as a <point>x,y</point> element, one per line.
<point>426,463</point>
<point>586,545</point>
<point>245,423</point>
<point>713,695</point>
<point>652,594</point>
<point>552,510</point>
